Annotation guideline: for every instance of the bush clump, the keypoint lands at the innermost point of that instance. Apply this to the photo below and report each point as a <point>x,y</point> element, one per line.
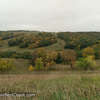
<point>86,63</point>
<point>39,64</point>
<point>31,68</point>
<point>6,65</point>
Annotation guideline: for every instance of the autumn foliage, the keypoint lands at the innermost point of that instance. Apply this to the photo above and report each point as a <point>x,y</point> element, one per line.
<point>47,49</point>
<point>88,52</point>
<point>6,65</point>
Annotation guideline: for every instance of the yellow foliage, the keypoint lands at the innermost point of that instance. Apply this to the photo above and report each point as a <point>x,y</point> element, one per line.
<point>31,68</point>
<point>6,65</point>
<point>88,52</point>
<point>91,57</point>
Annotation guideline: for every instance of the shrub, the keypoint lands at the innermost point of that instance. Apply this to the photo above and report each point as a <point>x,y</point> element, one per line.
<point>31,68</point>
<point>86,63</point>
<point>39,64</point>
<point>7,54</point>
<point>6,65</point>
<point>14,54</point>
<point>88,52</point>
<point>44,43</point>
<point>97,51</point>
<point>23,45</point>
<point>24,55</point>
<point>91,61</point>
<point>59,58</point>
<point>82,63</point>
<point>79,53</point>
<point>14,42</point>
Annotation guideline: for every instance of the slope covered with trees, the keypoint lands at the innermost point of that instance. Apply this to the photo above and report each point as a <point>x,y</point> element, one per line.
<point>46,49</point>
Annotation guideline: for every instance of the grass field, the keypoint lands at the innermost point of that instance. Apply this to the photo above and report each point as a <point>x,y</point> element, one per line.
<point>54,85</point>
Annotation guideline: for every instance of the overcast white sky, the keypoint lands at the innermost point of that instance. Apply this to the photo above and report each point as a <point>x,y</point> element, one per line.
<point>50,15</point>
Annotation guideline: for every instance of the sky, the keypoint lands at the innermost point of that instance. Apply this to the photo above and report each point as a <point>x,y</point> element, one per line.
<point>50,15</point>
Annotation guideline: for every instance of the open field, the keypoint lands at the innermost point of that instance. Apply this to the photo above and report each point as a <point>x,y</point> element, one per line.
<point>54,85</point>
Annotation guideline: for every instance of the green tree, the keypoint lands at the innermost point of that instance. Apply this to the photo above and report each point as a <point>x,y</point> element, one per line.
<point>39,64</point>
<point>86,63</point>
